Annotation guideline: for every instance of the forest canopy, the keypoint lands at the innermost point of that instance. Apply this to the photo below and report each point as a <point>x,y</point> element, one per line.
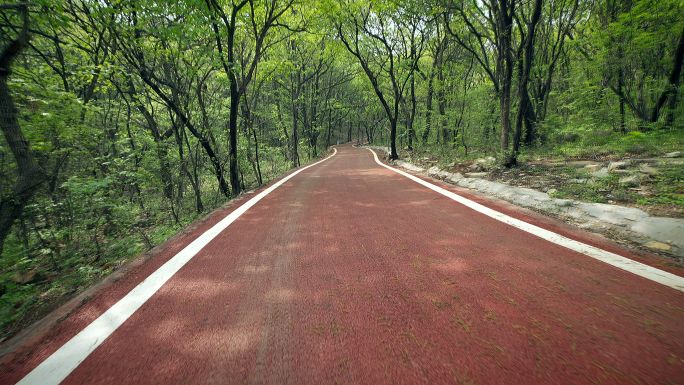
<point>125,120</point>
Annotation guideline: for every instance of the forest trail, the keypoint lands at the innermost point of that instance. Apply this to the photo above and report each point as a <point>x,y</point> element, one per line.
<point>351,273</point>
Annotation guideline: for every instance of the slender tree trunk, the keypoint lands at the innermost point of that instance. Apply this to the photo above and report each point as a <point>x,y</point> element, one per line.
<point>327,138</point>
<point>281,121</point>
<point>164,168</point>
<point>428,106</point>
<point>621,87</point>
<point>250,133</point>
<point>412,114</point>
<point>256,155</point>
<point>136,157</point>
<point>358,134</point>
<point>443,132</point>
<point>194,177</point>
<point>232,134</point>
<point>295,135</point>
<point>623,126</point>
<point>296,83</point>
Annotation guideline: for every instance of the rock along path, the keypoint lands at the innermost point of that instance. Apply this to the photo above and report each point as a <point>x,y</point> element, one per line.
<point>349,272</point>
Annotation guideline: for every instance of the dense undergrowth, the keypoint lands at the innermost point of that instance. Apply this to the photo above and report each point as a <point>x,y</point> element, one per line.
<point>44,264</point>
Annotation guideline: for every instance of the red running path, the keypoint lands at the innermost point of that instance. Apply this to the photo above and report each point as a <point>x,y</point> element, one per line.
<point>349,273</point>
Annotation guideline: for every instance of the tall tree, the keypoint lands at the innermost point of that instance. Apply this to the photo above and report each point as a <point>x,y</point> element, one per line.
<point>262,16</point>
<point>29,176</point>
<point>374,38</point>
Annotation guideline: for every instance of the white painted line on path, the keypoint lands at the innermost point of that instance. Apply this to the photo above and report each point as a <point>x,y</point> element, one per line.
<point>649,272</point>
<point>67,358</point>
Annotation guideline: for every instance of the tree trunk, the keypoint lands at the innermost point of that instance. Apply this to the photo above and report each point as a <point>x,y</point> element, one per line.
<point>530,121</point>
<point>412,114</point>
<point>232,133</point>
<point>393,139</point>
<point>194,177</point>
<point>436,66</point>
<point>673,82</point>
<point>443,131</point>
<point>621,87</point>
<point>623,126</point>
<point>504,20</point>
<point>428,107</point>
<point>29,175</point>
<point>525,65</point>
<point>256,156</point>
<point>295,134</point>
<point>327,138</point>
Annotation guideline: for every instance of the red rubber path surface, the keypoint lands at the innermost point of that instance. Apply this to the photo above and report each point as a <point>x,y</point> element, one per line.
<point>352,274</point>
